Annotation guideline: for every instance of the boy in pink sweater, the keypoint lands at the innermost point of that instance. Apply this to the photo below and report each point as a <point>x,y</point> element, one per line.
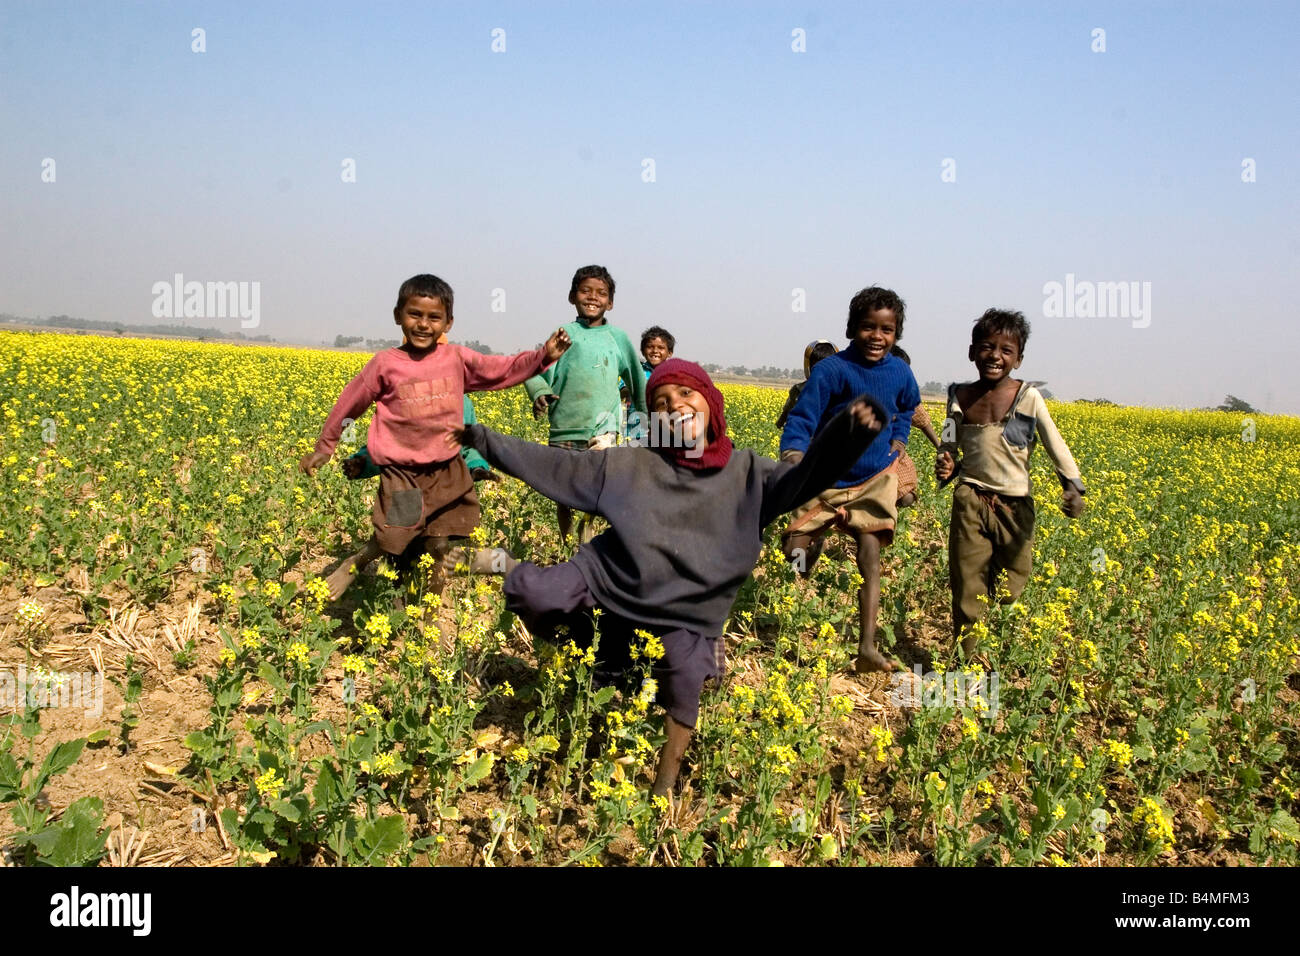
<point>425,490</point>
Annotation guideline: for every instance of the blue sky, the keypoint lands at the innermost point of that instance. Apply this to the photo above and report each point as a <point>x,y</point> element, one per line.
<point>774,170</point>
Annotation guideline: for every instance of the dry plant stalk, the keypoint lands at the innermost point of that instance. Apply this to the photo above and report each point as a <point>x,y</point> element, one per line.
<point>123,848</point>
<point>188,630</point>
<point>121,632</point>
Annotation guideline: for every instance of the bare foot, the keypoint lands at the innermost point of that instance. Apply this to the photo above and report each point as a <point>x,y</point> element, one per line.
<point>483,561</point>
<point>338,581</point>
<point>455,558</point>
<point>346,572</point>
<point>872,660</point>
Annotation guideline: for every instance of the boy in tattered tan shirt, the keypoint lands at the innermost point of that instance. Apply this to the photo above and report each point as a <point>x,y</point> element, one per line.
<point>994,424</point>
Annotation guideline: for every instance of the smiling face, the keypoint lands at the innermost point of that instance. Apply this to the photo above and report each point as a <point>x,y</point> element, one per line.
<point>876,334</point>
<point>996,356</point>
<point>655,351</point>
<point>687,409</point>
<point>423,319</point>
<point>593,299</point>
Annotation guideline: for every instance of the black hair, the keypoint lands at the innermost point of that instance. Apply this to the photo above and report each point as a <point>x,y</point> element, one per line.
<point>1000,320</point>
<point>658,332</point>
<point>426,285</point>
<point>591,272</point>
<point>871,300</point>
<point>898,350</point>
<point>820,351</point>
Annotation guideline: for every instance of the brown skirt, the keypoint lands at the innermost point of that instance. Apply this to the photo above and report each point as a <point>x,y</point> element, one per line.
<point>424,501</point>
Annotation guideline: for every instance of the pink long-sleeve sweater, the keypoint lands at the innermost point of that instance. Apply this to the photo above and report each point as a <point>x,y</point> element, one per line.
<point>418,401</point>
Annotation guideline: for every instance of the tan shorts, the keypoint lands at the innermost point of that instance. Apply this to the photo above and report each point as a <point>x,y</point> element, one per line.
<point>868,508</point>
<point>424,501</point>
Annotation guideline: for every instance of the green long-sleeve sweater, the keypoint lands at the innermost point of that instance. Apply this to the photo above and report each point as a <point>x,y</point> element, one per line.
<point>585,382</point>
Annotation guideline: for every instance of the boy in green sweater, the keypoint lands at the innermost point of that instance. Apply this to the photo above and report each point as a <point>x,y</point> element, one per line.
<point>580,393</point>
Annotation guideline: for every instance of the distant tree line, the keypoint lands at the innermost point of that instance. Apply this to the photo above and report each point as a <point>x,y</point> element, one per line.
<point>1231,403</point>
<point>99,325</point>
<point>742,371</point>
<point>361,342</point>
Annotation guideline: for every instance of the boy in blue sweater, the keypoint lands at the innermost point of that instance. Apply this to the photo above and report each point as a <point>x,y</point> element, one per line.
<point>864,502</point>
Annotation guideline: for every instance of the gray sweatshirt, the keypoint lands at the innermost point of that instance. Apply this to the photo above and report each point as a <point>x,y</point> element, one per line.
<point>681,541</point>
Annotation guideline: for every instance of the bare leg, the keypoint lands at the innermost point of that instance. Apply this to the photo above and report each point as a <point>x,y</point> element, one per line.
<point>803,550</point>
<point>869,658</point>
<point>907,500</point>
<point>437,548</point>
<point>670,758</point>
<point>564,517</point>
<point>345,573</point>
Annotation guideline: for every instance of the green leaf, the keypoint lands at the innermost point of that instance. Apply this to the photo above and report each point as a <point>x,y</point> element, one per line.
<point>262,819</point>
<point>1196,763</point>
<point>823,790</point>
<point>982,844</point>
<point>112,574</point>
<point>230,819</point>
<point>197,742</point>
<point>95,736</point>
<point>290,811</point>
<point>1145,728</point>
<point>273,677</point>
<point>1270,752</point>
<point>76,840</point>
<point>1284,825</point>
<point>602,697</point>
<point>1073,810</point>
<point>1258,838</point>
<point>11,776</point>
<point>228,696</point>
<point>316,727</point>
<point>62,757</point>
<point>479,769</point>
<point>328,789</point>
<point>380,839</point>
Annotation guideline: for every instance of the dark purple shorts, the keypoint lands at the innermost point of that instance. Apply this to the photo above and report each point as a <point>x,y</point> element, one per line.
<point>547,599</point>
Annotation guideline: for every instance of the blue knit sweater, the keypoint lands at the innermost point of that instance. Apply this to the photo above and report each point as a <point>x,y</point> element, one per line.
<point>836,381</point>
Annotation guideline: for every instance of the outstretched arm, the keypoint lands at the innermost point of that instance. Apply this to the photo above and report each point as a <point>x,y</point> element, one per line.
<point>484,372</point>
<point>573,479</point>
<point>831,454</point>
<point>359,395</point>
